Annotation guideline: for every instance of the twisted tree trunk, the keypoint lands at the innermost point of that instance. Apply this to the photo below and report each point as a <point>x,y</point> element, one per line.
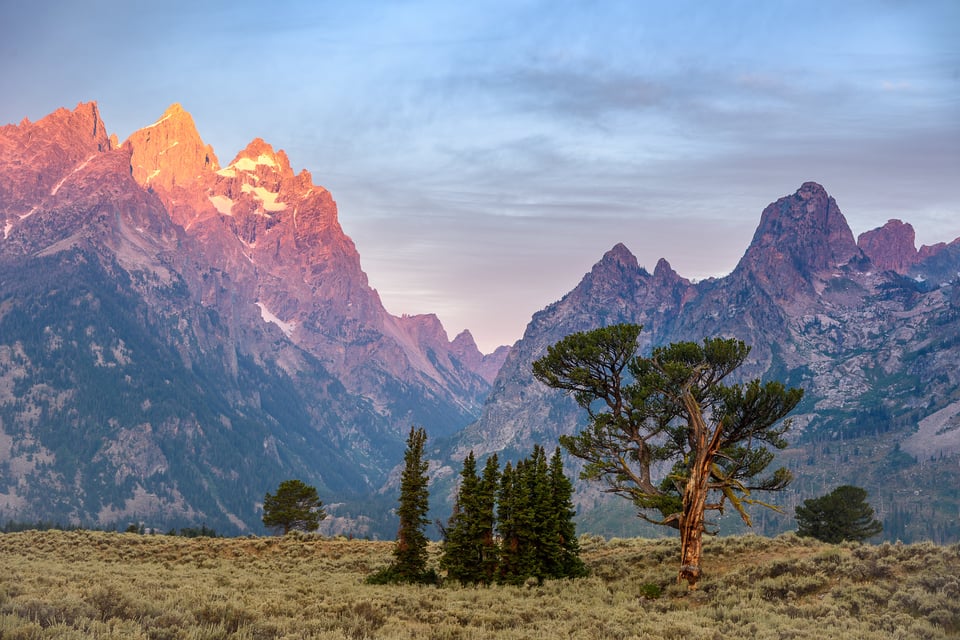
<point>695,492</point>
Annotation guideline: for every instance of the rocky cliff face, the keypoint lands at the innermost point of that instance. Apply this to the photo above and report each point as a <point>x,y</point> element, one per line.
<point>169,327</point>
<point>278,237</point>
<point>35,157</point>
<point>872,333</point>
<point>891,247</point>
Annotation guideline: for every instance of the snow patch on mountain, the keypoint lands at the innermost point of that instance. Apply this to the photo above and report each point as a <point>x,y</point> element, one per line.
<point>268,199</point>
<point>223,204</point>
<point>250,164</point>
<point>269,316</point>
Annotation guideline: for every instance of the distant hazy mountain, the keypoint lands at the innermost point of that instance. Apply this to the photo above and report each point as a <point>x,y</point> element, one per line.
<point>177,337</point>
<point>869,328</point>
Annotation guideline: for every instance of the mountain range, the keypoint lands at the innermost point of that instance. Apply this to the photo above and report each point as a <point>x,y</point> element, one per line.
<point>177,337</point>
<point>869,327</point>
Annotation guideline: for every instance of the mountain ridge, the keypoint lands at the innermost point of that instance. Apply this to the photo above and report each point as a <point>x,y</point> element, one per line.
<point>871,331</point>
<point>241,287</point>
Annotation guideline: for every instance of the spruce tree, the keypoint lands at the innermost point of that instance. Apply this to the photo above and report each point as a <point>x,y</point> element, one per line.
<point>529,506</point>
<point>470,553</point>
<point>486,520</point>
<point>545,536</point>
<point>460,554</point>
<point>410,552</point>
<point>507,527</point>
<point>569,564</point>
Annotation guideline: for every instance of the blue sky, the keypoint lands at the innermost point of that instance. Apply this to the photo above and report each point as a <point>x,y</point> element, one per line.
<point>485,156</point>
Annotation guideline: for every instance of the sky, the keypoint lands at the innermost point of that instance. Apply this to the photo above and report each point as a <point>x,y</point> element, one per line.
<point>484,155</point>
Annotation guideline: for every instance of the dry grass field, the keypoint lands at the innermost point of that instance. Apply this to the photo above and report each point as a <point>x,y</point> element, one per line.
<point>85,584</point>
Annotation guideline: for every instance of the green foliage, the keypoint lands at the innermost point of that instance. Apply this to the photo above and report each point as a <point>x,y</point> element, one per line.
<point>295,506</point>
<point>470,551</point>
<point>650,591</point>
<point>203,531</point>
<point>410,552</point>
<point>842,514</point>
<point>13,526</point>
<point>392,575</point>
<point>534,520</point>
<point>567,561</point>
<point>673,411</point>
<point>642,409</point>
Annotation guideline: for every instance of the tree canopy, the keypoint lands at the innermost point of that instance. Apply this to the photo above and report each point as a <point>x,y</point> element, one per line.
<point>842,514</point>
<point>296,505</point>
<point>666,431</point>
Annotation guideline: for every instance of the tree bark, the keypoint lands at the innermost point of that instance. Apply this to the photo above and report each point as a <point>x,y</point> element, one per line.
<point>691,526</point>
<point>695,493</point>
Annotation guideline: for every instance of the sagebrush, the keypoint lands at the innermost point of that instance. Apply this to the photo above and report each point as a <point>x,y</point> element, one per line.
<point>82,584</point>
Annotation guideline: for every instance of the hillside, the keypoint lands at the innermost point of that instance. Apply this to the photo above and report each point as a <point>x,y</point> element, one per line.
<point>61,585</point>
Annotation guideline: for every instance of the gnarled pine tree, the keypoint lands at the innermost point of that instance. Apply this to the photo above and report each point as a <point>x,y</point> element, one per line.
<point>673,407</point>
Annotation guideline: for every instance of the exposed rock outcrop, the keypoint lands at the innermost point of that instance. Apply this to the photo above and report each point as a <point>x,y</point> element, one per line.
<point>892,246</point>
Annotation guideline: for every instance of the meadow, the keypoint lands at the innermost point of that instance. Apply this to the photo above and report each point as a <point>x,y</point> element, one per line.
<point>87,584</point>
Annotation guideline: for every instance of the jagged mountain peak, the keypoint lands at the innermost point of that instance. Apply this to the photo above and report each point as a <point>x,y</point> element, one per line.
<point>876,352</point>
<point>36,157</point>
<point>619,254</point>
<point>170,153</point>
<point>227,307</point>
<point>465,348</point>
<point>617,261</point>
<point>465,340</point>
<point>259,161</point>
<point>807,227</point>
<point>663,272</point>
<point>799,235</point>
<point>255,148</point>
<point>86,117</point>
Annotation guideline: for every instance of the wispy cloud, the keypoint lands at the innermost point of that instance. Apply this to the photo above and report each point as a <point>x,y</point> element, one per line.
<point>484,155</point>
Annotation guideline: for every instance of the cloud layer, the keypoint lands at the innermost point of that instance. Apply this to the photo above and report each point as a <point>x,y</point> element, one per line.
<point>485,156</point>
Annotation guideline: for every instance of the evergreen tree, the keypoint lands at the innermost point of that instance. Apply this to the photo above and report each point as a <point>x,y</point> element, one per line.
<point>529,506</point>
<point>295,506</point>
<point>508,526</point>
<point>545,539</point>
<point>842,514</point>
<point>672,411</point>
<point>410,552</point>
<point>470,550</point>
<point>569,564</point>
<point>486,520</point>
<point>461,557</point>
